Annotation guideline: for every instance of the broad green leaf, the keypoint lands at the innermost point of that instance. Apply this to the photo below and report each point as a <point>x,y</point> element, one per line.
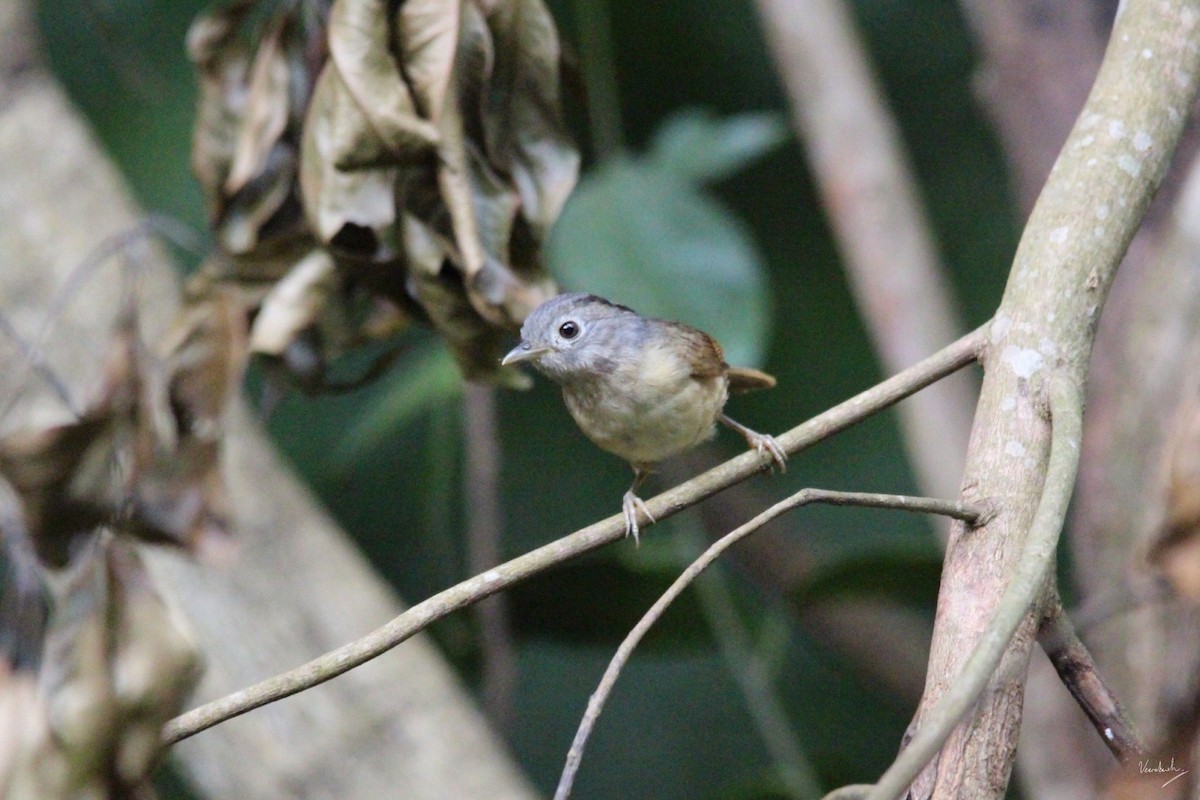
<point>695,144</point>
<point>641,234</point>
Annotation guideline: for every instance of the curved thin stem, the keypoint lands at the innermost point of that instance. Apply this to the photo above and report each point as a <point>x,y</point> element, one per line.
<point>803,497</point>
<point>330,665</point>
<point>1028,580</point>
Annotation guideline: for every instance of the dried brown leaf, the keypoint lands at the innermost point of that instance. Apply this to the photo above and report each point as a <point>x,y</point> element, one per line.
<point>267,110</point>
<point>1177,551</point>
<point>360,51</point>
<point>428,37</point>
<point>223,62</point>
<point>178,492</point>
<point>294,304</point>
<point>353,212</point>
<point>525,135</point>
<point>118,664</point>
<point>477,346</point>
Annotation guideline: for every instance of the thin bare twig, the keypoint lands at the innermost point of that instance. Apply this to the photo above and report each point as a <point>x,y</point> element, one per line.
<point>485,524</point>
<point>160,225</point>
<point>1028,581</point>
<point>330,665</point>
<point>928,505</point>
<point>1077,668</point>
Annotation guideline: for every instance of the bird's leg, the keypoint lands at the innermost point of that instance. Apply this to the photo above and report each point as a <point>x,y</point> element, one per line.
<point>631,504</point>
<point>762,442</point>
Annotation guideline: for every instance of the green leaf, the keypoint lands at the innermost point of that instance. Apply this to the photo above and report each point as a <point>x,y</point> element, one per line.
<point>696,145</point>
<point>639,233</point>
<point>423,379</point>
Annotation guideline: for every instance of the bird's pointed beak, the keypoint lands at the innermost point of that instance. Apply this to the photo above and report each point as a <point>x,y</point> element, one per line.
<point>523,352</point>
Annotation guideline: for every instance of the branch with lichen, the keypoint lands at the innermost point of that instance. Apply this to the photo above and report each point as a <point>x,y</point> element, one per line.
<point>1093,202</point>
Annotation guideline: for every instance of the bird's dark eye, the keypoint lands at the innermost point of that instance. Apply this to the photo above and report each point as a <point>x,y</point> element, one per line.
<point>568,330</point>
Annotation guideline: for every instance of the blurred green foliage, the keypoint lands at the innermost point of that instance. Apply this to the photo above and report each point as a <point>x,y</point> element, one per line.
<point>698,189</point>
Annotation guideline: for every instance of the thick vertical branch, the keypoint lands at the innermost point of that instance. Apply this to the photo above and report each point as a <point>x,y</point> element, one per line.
<point>1092,204</point>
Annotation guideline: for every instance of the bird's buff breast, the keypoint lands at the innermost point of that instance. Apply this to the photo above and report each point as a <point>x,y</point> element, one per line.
<point>649,410</point>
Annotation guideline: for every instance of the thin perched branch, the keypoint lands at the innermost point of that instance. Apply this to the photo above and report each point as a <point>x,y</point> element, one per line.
<point>882,231</point>
<point>1028,581</point>
<point>953,509</point>
<point>1077,669</point>
<point>349,656</point>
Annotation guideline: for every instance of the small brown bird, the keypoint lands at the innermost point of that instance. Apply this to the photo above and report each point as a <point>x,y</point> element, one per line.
<point>641,388</point>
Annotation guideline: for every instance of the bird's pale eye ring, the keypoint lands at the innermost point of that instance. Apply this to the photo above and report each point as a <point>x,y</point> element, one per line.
<point>569,329</point>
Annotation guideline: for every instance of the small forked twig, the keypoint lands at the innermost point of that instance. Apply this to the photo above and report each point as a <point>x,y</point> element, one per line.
<point>949,508</point>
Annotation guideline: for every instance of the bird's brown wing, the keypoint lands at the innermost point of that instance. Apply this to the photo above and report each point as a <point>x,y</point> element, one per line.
<point>707,360</point>
<point>745,379</point>
<point>702,353</point>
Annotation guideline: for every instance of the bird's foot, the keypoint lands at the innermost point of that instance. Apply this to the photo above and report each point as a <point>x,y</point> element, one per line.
<point>765,443</point>
<point>631,504</point>
<point>761,442</point>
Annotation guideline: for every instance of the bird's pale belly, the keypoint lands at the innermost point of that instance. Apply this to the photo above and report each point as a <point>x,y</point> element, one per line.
<point>648,425</point>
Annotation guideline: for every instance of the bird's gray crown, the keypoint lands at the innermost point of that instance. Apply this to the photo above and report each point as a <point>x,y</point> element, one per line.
<point>602,329</point>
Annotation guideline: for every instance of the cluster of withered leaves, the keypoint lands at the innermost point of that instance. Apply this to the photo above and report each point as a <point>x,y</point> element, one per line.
<point>117,664</point>
<point>83,697</point>
<point>372,162</point>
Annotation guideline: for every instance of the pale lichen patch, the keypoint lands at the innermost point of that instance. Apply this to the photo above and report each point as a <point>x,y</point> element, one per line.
<point>1129,165</point>
<point>1023,361</point>
<point>1000,327</point>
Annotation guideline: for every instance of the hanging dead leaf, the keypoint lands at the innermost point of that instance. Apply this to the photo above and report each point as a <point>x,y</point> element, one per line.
<point>294,304</point>
<point>118,664</point>
<point>428,38</point>
<point>442,112</point>
<point>352,212</point>
<point>477,346</point>
<point>222,60</point>
<point>525,135</point>
<point>178,492</point>
<point>1177,550</point>
<point>360,37</point>
<point>267,108</point>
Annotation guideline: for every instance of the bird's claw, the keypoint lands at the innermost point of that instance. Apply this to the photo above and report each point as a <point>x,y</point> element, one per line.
<point>765,443</point>
<point>631,504</point>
